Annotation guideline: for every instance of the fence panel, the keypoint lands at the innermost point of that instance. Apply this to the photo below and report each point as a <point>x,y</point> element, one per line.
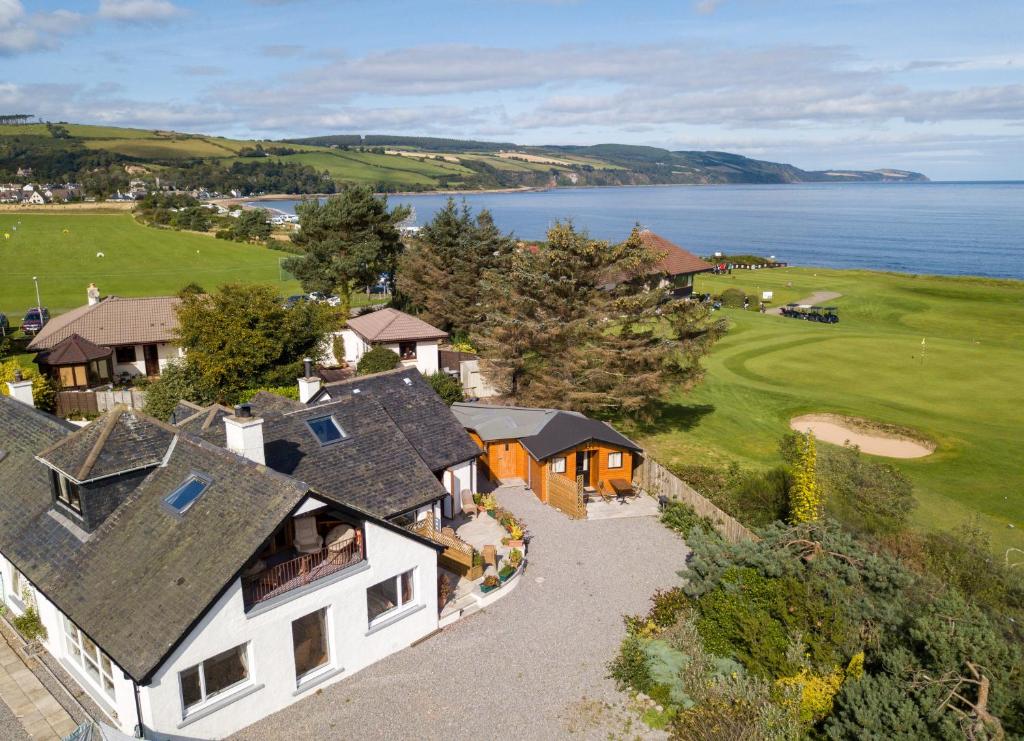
<point>76,403</point>
<point>655,479</point>
<point>564,495</point>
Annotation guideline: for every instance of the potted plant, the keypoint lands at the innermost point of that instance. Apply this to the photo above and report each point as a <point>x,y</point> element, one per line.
<point>515,558</point>
<point>490,503</point>
<point>490,583</point>
<point>506,573</point>
<point>515,534</point>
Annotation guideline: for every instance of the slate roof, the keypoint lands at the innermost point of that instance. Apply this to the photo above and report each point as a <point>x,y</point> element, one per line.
<point>122,440</point>
<point>543,432</point>
<point>422,416</point>
<point>392,325</point>
<point>675,260</point>
<point>374,469</point>
<point>75,350</point>
<point>114,321</point>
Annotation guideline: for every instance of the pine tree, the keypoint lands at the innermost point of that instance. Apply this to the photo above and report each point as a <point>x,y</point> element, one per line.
<point>805,504</point>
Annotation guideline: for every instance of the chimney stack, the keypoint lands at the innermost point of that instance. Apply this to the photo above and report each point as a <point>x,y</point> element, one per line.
<point>92,293</point>
<point>20,389</point>
<point>309,384</point>
<point>245,434</point>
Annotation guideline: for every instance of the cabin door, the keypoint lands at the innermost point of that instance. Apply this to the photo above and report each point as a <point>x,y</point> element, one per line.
<point>149,354</point>
<point>585,466</point>
<point>502,461</point>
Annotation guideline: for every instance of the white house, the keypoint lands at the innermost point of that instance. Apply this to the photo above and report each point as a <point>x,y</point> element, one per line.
<point>236,561</point>
<point>140,331</point>
<point>415,341</point>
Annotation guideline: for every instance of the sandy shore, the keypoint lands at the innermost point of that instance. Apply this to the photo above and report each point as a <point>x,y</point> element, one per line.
<point>871,439</point>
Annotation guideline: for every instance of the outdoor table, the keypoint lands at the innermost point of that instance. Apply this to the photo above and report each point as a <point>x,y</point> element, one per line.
<point>622,488</point>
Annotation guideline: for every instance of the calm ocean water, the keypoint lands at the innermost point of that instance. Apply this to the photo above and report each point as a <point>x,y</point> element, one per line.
<point>945,228</point>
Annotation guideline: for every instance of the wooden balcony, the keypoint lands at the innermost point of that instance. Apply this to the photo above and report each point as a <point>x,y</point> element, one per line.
<point>298,571</point>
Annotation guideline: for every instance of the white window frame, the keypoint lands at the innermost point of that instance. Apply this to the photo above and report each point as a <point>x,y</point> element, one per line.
<point>17,583</point>
<point>558,464</point>
<point>208,700</point>
<point>74,642</point>
<point>304,679</point>
<point>401,605</point>
<point>615,455</point>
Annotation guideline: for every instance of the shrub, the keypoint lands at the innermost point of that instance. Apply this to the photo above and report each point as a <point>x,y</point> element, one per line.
<point>177,381</point>
<point>733,297</point>
<point>506,571</point>
<point>448,387</point>
<point>680,517</point>
<point>29,624</point>
<point>289,392</point>
<point>805,504</point>
<point>377,360</point>
<point>338,348</point>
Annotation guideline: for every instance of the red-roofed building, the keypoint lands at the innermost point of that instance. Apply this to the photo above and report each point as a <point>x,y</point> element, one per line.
<point>676,267</point>
<point>415,341</point>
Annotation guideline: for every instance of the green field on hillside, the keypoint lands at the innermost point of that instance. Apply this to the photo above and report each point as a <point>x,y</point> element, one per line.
<point>367,167</point>
<point>137,260</point>
<point>962,388</point>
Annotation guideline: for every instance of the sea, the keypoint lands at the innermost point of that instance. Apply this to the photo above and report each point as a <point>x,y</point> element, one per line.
<point>947,228</point>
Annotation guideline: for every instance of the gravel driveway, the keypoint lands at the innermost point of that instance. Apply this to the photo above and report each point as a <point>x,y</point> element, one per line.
<point>10,727</point>
<point>531,666</point>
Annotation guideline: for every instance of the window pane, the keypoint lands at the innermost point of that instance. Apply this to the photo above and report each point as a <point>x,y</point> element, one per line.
<point>407,594</point>
<point>381,597</point>
<point>92,669</point>
<point>183,497</point>
<point>90,649</point>
<point>108,686</point>
<point>224,670</point>
<point>190,690</point>
<point>326,430</point>
<point>105,665</point>
<point>615,460</point>
<point>309,642</point>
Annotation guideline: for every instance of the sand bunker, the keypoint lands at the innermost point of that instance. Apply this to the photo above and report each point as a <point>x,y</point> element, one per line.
<point>870,438</point>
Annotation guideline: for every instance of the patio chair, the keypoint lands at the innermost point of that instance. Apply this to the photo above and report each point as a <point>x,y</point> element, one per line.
<point>490,554</point>
<point>339,538</point>
<point>307,539</point>
<point>468,505</point>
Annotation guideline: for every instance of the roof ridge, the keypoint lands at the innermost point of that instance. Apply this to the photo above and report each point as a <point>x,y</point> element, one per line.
<point>378,374</point>
<point>108,427</point>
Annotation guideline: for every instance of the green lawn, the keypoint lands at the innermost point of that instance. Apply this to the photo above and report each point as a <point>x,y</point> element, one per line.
<point>137,261</point>
<point>964,391</point>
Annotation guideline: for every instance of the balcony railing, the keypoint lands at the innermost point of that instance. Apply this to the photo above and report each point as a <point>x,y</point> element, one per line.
<point>299,571</point>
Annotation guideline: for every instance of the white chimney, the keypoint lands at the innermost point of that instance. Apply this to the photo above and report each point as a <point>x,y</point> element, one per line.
<point>93,294</point>
<point>245,434</point>
<point>21,389</point>
<point>309,384</point>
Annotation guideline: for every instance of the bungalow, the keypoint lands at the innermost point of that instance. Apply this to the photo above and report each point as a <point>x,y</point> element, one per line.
<point>675,268</point>
<point>535,444</point>
<point>231,563</point>
<point>415,341</point>
<point>138,332</point>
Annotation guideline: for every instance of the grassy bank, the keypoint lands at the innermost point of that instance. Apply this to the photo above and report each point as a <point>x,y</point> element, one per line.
<point>61,250</point>
<point>961,389</point>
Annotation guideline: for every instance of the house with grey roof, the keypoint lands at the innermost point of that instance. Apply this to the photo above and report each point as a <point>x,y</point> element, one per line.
<point>547,447</point>
<point>139,332</point>
<point>194,576</point>
<point>412,339</point>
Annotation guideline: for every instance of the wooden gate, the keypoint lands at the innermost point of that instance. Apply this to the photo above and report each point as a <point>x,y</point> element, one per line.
<point>565,495</point>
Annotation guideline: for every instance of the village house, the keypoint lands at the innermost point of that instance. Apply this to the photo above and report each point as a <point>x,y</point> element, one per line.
<point>113,338</point>
<point>196,575</point>
<point>676,268</point>
<point>414,341</point>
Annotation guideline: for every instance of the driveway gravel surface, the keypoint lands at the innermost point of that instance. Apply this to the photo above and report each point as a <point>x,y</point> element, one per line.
<point>530,666</point>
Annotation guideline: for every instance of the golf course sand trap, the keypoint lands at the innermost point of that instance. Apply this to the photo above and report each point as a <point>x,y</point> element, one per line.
<point>869,437</point>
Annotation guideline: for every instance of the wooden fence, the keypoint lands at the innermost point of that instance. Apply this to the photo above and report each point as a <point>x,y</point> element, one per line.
<point>565,495</point>
<point>655,479</point>
<point>90,403</point>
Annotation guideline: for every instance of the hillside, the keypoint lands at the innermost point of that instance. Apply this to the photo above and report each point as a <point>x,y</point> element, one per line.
<point>106,158</point>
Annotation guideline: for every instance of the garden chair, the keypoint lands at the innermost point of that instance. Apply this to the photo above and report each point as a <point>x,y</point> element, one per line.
<point>307,539</point>
<point>490,554</point>
<point>468,505</point>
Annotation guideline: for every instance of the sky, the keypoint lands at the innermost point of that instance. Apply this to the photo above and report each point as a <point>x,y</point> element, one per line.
<point>934,86</point>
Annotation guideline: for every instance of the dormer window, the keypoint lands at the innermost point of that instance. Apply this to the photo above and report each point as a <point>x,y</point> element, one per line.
<point>67,492</point>
<point>326,429</point>
<point>185,495</point>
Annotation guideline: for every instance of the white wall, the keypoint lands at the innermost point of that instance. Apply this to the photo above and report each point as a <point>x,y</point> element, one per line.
<point>426,352</point>
<point>473,381</point>
<point>165,352</point>
<point>271,660</point>
<point>457,478</point>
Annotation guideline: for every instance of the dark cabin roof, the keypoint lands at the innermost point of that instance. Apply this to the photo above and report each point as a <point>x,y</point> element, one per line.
<point>421,415</point>
<point>374,469</point>
<point>120,441</point>
<point>75,350</point>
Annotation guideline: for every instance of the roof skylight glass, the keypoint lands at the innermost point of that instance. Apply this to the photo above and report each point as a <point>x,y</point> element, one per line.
<point>185,495</point>
<point>326,429</point>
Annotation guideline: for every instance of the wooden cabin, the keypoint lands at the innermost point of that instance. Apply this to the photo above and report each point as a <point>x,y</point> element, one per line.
<point>536,444</point>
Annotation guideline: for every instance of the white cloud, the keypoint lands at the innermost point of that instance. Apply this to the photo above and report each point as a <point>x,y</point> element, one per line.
<point>138,11</point>
<point>706,7</point>
<point>22,32</point>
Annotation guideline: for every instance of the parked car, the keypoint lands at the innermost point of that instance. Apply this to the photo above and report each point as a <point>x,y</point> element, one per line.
<point>333,301</point>
<point>294,300</point>
<point>5,326</point>
<point>34,320</point>
<point>317,297</point>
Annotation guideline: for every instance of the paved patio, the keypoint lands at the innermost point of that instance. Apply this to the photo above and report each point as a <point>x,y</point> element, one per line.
<point>531,666</point>
<point>638,506</point>
<point>30,702</point>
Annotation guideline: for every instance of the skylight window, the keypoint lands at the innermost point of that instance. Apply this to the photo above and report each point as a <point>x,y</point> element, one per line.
<point>326,429</point>
<point>185,495</point>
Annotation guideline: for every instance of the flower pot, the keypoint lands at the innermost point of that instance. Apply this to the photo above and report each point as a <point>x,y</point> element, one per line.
<point>516,544</point>
<point>486,589</point>
<point>490,512</point>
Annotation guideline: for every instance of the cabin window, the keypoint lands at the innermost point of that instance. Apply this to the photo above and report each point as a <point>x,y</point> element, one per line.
<point>210,678</point>
<point>390,596</point>
<point>67,492</point>
<point>99,369</point>
<point>615,460</point>
<point>185,495</point>
<point>558,465</point>
<point>72,376</point>
<point>407,350</point>
<point>326,429</point>
<point>125,354</point>
<point>309,643</point>
<point>87,655</point>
